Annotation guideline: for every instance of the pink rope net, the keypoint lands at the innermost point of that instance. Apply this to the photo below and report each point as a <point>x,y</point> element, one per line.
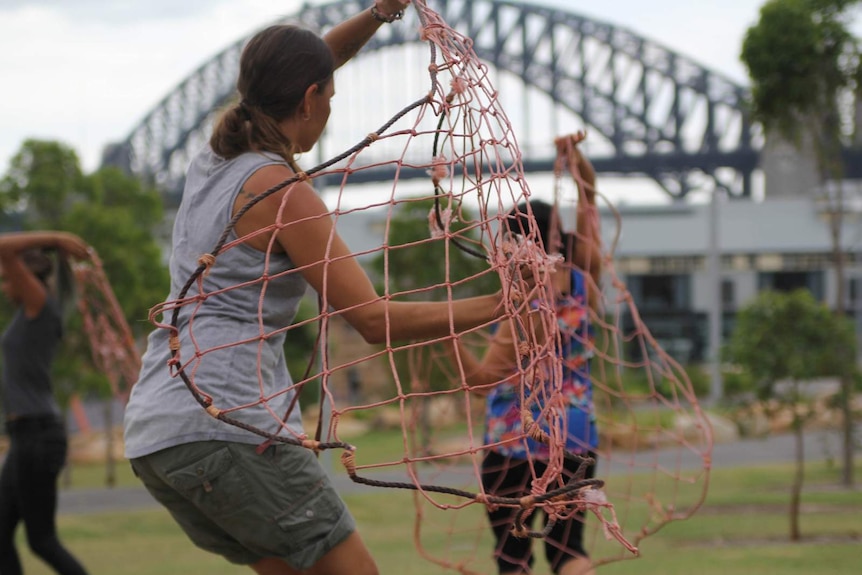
<point>112,345</point>
<point>461,137</point>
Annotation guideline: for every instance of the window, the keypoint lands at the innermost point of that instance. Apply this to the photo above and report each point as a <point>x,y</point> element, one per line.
<point>661,292</point>
<point>791,281</point>
<point>853,301</point>
<point>728,294</point>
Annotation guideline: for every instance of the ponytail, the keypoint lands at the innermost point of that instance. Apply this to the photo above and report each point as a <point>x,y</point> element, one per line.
<point>243,128</point>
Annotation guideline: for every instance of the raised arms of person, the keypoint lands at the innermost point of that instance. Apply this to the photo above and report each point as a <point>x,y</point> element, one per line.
<point>588,252</point>
<point>28,289</point>
<point>347,38</point>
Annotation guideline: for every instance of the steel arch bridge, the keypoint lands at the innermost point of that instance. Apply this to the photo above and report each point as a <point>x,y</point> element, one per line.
<point>660,114</point>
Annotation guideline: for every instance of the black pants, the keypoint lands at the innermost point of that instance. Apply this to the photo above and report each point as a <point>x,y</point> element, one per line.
<point>510,477</point>
<point>28,493</point>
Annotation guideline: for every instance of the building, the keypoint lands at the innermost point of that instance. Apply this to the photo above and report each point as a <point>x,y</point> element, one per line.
<point>662,255</point>
<point>780,244</point>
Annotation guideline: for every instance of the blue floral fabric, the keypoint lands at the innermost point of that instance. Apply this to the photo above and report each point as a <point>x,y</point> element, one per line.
<point>503,408</point>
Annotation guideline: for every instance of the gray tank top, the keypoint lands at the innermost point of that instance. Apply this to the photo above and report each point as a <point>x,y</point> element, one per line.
<point>162,412</point>
<point>29,345</point>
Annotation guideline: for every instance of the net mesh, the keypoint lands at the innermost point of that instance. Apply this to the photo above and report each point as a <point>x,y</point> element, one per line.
<point>458,137</point>
<point>112,345</point>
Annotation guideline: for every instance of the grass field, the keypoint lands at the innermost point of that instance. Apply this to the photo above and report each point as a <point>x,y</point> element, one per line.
<point>741,529</point>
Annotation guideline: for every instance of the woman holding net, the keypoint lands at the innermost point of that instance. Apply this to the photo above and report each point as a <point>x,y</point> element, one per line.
<point>37,435</point>
<point>269,505</point>
<point>511,459</point>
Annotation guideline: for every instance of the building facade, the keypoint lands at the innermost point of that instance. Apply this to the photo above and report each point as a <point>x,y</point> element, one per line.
<point>663,257</point>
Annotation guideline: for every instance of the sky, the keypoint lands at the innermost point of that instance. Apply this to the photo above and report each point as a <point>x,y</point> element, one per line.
<point>86,72</point>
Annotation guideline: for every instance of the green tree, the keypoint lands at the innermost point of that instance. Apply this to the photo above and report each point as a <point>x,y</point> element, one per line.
<point>411,264</point>
<point>43,178</point>
<point>803,62</point>
<point>791,338</point>
<point>45,188</point>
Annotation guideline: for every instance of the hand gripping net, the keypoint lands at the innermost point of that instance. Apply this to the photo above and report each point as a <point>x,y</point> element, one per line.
<point>458,134</point>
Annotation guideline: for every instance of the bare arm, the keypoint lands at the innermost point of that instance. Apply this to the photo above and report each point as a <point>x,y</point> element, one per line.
<point>313,245</point>
<point>29,291</point>
<point>63,241</point>
<point>588,253</point>
<point>347,38</point>
<point>498,364</point>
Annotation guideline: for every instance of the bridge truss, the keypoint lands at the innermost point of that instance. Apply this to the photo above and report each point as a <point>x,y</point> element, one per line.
<point>652,112</point>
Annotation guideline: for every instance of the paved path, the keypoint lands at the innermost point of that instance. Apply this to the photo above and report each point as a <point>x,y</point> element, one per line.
<point>776,449</point>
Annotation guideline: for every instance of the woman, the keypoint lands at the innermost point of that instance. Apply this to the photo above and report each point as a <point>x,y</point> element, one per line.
<point>511,461</point>
<point>37,448</point>
<point>269,506</point>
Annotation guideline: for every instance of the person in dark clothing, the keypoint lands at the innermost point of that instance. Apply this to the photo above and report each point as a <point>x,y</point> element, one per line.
<point>37,437</point>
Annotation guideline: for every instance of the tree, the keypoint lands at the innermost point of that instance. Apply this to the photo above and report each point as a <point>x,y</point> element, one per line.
<point>415,263</point>
<point>803,62</point>
<point>411,263</point>
<point>792,338</point>
<point>44,177</point>
<point>45,188</point>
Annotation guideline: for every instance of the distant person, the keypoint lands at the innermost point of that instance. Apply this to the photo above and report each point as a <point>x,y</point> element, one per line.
<point>274,509</point>
<point>37,436</point>
<point>508,466</point>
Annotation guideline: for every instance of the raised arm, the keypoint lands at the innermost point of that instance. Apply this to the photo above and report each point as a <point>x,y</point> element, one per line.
<point>21,283</point>
<point>309,238</point>
<point>347,38</point>
<point>588,253</point>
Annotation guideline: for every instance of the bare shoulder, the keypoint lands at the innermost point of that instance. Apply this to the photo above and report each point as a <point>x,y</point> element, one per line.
<point>273,194</point>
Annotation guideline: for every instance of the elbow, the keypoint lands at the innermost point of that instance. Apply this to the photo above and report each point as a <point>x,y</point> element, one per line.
<point>373,337</point>
<point>373,330</point>
<point>370,321</point>
<point>6,254</point>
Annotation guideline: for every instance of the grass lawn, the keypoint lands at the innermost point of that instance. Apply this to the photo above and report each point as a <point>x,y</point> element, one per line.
<point>741,529</point>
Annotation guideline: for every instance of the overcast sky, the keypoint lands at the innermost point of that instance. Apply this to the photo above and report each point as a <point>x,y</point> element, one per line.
<point>86,71</point>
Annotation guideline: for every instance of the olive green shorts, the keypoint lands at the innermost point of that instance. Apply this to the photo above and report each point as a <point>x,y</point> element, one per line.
<point>231,501</point>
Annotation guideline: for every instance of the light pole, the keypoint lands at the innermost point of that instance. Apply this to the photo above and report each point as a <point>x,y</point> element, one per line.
<point>716,388</point>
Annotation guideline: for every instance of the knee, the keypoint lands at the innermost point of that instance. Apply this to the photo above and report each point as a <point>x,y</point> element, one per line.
<point>43,546</point>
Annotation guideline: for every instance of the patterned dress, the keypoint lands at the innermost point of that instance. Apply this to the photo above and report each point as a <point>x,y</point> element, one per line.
<point>503,407</point>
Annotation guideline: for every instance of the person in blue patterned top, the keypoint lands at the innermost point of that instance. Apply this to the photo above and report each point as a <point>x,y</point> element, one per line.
<point>511,459</point>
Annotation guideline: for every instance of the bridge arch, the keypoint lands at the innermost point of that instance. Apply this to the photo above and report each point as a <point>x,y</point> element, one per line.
<point>659,113</point>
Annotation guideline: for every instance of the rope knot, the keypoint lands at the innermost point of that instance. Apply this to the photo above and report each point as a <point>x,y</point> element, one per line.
<point>206,260</point>
<point>348,459</point>
<point>311,444</point>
